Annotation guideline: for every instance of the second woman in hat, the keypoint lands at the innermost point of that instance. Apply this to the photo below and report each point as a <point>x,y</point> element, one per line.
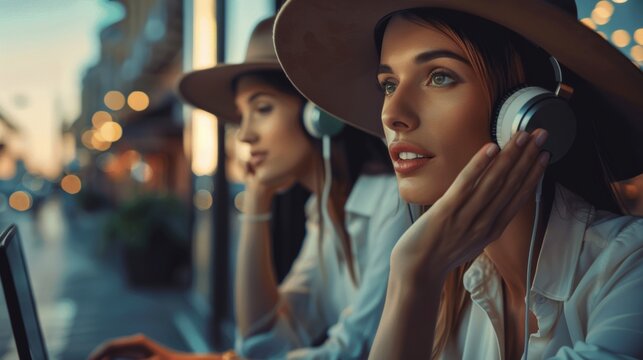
<point>330,303</point>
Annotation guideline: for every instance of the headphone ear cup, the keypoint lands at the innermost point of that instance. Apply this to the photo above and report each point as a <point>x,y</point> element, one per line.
<point>530,108</point>
<point>319,123</point>
<point>498,119</point>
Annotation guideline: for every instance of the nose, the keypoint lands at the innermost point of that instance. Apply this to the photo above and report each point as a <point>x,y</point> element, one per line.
<point>246,132</point>
<point>398,113</point>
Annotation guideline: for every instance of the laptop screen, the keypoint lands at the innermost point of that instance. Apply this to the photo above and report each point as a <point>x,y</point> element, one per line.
<point>19,297</point>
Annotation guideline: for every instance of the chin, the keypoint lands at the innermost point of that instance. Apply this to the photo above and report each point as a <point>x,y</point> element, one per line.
<point>416,191</point>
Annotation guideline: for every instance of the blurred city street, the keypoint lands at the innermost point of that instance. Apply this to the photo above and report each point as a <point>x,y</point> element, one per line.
<point>81,295</point>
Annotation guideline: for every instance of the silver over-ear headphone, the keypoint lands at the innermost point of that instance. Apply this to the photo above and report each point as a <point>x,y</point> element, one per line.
<point>530,107</point>
<point>319,123</point>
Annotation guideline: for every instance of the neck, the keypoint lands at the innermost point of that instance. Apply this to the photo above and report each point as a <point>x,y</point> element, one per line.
<point>312,175</point>
<point>510,252</point>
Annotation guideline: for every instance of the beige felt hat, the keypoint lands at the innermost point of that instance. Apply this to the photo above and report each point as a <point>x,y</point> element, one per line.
<point>328,51</point>
<point>211,89</point>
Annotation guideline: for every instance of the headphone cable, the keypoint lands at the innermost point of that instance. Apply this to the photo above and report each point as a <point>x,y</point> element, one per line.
<point>534,232</point>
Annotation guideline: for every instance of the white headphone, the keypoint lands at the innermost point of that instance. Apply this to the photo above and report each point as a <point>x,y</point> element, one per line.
<point>319,123</point>
<point>530,107</point>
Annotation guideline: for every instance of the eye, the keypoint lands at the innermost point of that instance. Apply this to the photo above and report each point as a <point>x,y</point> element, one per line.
<point>388,87</point>
<point>264,108</point>
<point>441,78</point>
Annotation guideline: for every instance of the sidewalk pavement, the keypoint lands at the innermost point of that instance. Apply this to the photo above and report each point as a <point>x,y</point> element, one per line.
<point>82,298</point>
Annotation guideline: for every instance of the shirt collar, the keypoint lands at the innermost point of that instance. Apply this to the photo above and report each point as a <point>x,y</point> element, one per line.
<point>562,244</point>
<point>559,253</point>
<point>363,199</point>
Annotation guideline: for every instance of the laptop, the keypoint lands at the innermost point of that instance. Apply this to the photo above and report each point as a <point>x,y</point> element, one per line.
<point>19,297</point>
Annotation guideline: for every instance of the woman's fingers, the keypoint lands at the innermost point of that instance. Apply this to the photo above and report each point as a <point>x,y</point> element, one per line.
<point>515,176</point>
<point>135,346</point>
<point>464,183</point>
<point>524,194</point>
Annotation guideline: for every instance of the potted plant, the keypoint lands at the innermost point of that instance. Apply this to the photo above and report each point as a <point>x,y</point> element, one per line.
<point>151,231</point>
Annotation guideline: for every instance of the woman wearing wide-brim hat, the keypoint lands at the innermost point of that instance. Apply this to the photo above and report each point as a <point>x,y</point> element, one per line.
<point>486,272</point>
<point>329,305</point>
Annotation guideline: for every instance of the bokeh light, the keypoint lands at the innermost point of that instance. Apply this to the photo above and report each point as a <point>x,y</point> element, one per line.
<point>604,8</point>
<point>142,171</point>
<point>637,53</point>
<point>111,131</point>
<point>86,139</point>
<point>638,36</point>
<point>71,184</point>
<point>20,201</point>
<point>620,38</point>
<point>98,142</point>
<point>138,100</point>
<point>599,18</point>
<point>100,117</point>
<point>203,199</point>
<point>589,23</point>
<point>238,201</point>
<point>114,100</point>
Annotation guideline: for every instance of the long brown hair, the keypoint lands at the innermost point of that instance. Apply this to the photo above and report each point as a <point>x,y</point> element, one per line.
<point>502,60</point>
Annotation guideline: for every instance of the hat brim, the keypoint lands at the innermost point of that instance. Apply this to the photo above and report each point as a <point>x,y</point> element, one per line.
<point>211,89</point>
<point>327,49</point>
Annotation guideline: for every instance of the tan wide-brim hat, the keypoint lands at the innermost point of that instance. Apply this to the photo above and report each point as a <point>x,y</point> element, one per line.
<point>327,49</point>
<point>211,89</point>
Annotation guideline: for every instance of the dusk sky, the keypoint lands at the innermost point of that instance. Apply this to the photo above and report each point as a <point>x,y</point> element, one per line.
<point>45,46</point>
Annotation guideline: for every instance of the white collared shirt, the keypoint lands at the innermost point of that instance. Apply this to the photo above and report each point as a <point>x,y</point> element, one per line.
<point>587,293</point>
<point>318,298</point>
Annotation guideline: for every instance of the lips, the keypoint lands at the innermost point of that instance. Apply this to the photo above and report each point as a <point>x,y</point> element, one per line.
<point>257,157</point>
<point>408,157</point>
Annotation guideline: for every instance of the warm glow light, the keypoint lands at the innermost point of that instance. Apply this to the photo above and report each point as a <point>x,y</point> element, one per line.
<point>203,199</point>
<point>98,142</point>
<point>598,16</point>
<point>100,117</point>
<point>138,100</point>
<point>115,100</point>
<point>71,184</point>
<point>130,157</point>
<point>205,34</point>
<point>620,38</point>
<point>637,53</point>
<point>20,200</point>
<point>638,36</point>
<point>204,143</point>
<point>605,8</point>
<point>602,34</point>
<point>111,131</point>
<point>619,1</point>
<point>238,201</point>
<point>86,139</point>
<point>589,23</point>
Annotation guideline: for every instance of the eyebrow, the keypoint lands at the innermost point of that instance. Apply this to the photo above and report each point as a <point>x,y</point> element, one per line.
<point>256,95</point>
<point>426,57</point>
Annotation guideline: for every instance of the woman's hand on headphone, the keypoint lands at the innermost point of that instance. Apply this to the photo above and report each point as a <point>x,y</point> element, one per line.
<point>474,211</point>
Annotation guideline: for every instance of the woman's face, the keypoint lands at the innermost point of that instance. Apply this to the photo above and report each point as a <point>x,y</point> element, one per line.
<point>435,115</point>
<point>279,149</point>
